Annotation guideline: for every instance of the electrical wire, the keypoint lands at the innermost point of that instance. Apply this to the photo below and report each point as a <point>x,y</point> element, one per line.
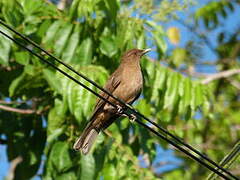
<point>119,100</point>
<point>114,97</point>
<point>123,103</point>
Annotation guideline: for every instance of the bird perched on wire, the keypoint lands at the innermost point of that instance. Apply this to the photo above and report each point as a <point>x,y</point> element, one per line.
<point>125,83</point>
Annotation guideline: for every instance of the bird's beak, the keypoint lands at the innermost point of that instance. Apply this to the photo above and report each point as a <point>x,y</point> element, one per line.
<point>145,51</point>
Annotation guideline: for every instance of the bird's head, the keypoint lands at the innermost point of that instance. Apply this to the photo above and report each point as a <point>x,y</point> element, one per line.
<point>134,54</point>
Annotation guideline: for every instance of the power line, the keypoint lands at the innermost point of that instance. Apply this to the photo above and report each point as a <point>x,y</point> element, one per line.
<point>123,103</point>
<point>116,98</point>
<point>182,149</point>
<point>78,82</point>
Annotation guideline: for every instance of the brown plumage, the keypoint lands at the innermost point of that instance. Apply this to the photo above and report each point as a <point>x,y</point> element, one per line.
<point>125,83</point>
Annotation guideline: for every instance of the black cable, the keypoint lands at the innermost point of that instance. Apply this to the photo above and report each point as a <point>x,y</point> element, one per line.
<point>183,150</point>
<point>190,147</point>
<point>55,67</point>
<point>119,100</point>
<point>123,103</point>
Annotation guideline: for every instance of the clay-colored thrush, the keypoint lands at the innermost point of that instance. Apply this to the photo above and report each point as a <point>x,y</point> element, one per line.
<point>125,83</point>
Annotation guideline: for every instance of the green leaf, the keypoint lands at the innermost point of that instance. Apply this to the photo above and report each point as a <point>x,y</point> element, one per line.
<point>56,118</point>
<point>71,46</point>
<point>60,156</point>
<point>15,83</point>
<point>30,69</point>
<point>49,75</point>
<point>109,172</point>
<point>85,51</point>
<point>141,41</point>
<point>206,106</point>
<point>5,47</point>
<point>33,158</point>
<point>112,6</point>
<point>159,80</point>
<point>144,107</point>
<point>62,38</point>
<point>67,176</point>
<point>22,57</point>
<point>51,32</point>
<point>12,13</point>
<point>42,30</point>
<point>30,7</point>
<point>31,24</point>
<point>178,56</point>
<point>108,46</point>
<point>54,134</point>
<point>79,100</point>
<point>87,167</point>
<point>185,92</point>
<point>74,9</point>
<point>161,44</point>
<point>197,96</point>
<point>158,35</point>
<point>172,89</point>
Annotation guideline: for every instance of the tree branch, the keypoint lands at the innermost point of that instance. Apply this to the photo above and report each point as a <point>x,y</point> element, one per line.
<point>13,165</point>
<point>11,102</point>
<point>220,75</point>
<point>21,111</point>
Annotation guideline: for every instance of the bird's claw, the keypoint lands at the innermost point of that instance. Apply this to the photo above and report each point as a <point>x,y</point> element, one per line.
<point>132,118</point>
<point>119,110</point>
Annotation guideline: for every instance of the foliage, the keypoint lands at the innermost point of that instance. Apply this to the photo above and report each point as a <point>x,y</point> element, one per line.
<point>91,36</point>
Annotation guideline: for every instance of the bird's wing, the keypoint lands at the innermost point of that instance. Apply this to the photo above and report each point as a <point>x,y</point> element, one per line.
<point>112,84</point>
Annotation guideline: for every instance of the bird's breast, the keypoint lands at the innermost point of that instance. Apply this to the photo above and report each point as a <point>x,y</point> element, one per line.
<point>133,80</point>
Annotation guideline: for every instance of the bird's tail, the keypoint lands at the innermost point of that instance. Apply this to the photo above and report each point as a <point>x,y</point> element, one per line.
<point>86,140</point>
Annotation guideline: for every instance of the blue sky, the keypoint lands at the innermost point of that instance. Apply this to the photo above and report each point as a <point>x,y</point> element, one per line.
<point>229,24</point>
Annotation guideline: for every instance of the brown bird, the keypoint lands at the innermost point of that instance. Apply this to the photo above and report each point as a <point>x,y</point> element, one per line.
<point>125,83</point>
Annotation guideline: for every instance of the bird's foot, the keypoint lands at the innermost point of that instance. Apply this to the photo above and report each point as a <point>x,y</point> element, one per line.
<point>132,118</point>
<point>119,110</point>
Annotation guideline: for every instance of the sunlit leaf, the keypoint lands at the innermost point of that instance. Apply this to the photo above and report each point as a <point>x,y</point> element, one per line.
<point>22,57</point>
<point>60,156</point>
<point>173,35</point>
<point>52,30</point>
<point>108,46</point>
<point>51,79</point>
<point>61,38</point>
<point>185,92</point>
<point>109,172</point>
<point>172,89</point>
<point>71,46</point>
<point>197,95</point>
<point>5,45</point>
<point>81,101</point>
<point>85,51</point>
<point>87,167</point>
